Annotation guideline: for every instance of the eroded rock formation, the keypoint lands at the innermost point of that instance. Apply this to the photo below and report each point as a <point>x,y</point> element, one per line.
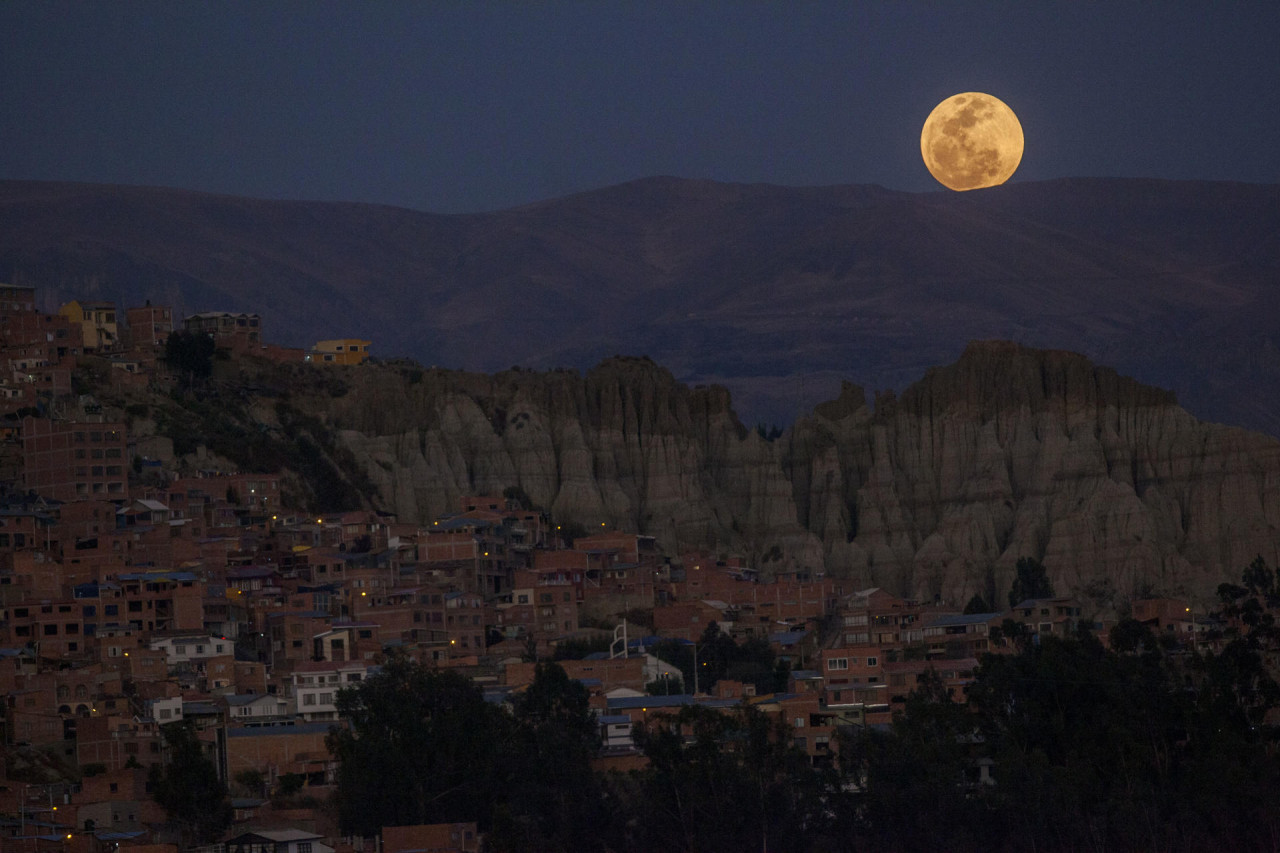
<point>1009,452</point>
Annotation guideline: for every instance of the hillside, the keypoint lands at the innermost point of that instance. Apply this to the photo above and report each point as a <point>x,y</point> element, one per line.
<point>777,293</point>
<point>1008,452</point>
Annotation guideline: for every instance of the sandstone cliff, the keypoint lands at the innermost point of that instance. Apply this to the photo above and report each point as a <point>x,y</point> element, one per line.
<point>1009,452</point>
<point>1015,452</point>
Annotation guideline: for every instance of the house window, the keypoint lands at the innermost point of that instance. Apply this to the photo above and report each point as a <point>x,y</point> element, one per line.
<point>872,661</point>
<point>309,699</point>
<point>837,663</point>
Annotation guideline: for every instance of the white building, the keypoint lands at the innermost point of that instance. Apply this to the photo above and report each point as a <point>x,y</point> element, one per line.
<point>316,685</point>
<point>248,708</point>
<point>193,648</point>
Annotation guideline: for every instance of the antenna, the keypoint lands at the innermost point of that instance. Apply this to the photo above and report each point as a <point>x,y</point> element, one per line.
<point>619,635</point>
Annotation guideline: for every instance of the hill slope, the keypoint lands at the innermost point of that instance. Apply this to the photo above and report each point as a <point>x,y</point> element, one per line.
<point>1008,452</point>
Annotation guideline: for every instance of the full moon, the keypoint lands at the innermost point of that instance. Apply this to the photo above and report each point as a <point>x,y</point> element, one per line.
<point>971,141</point>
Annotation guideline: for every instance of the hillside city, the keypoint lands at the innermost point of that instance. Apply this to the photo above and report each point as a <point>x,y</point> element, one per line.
<point>138,593</point>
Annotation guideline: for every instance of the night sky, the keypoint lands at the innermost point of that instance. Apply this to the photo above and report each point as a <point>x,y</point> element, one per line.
<point>459,107</point>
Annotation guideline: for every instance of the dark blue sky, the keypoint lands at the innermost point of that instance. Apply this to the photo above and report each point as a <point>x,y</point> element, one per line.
<point>456,107</point>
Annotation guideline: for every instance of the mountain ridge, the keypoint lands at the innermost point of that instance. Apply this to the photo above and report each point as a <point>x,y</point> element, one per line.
<point>778,293</point>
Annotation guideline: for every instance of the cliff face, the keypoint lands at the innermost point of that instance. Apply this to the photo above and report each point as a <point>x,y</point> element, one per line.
<point>1010,452</point>
<point>625,446</point>
<point>1014,452</point>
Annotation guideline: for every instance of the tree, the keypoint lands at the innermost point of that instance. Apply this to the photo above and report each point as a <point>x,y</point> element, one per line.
<point>1032,581</point>
<point>727,780</point>
<point>554,800</point>
<point>190,355</point>
<point>188,787</point>
<point>422,746</point>
<point>1129,636</point>
<point>924,764</point>
<point>977,604</point>
<point>253,781</point>
<point>664,687</point>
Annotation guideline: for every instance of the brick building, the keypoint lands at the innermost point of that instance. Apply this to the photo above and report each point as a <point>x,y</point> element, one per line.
<point>149,326</point>
<point>67,461</point>
<point>236,332</point>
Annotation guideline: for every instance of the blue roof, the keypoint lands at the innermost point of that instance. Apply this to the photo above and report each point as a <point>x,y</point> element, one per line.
<point>287,729</point>
<point>970,619</point>
<point>675,701</point>
<point>157,576</point>
<point>614,719</point>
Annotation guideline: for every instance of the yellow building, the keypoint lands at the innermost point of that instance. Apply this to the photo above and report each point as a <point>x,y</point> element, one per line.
<point>97,322</point>
<point>343,351</point>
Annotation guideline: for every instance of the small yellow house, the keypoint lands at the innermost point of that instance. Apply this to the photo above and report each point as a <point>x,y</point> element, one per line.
<point>97,322</point>
<point>342,351</point>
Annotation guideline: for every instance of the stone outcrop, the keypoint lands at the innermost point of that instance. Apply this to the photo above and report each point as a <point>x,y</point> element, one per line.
<point>1010,452</point>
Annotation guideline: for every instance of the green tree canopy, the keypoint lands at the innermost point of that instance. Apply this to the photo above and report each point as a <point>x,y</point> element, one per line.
<point>191,355</point>
<point>728,780</point>
<point>1032,581</point>
<point>554,800</point>
<point>421,746</point>
<point>188,787</point>
<point>977,604</point>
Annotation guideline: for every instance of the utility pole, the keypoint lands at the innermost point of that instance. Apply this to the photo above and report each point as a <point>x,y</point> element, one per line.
<point>695,669</point>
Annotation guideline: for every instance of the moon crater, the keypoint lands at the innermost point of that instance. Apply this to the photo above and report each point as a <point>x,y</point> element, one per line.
<point>970,141</point>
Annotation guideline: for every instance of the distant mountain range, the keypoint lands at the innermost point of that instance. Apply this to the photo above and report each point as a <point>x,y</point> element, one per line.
<point>776,292</point>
